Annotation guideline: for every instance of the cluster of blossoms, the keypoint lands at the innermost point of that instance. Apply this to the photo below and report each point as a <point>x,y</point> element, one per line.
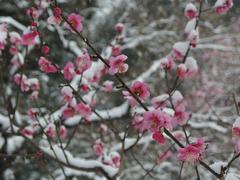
<point>168,111</point>
<point>112,159</point>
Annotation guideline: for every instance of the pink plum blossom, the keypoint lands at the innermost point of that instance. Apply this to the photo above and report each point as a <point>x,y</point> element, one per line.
<point>69,71</point>
<point>98,147</point>
<point>140,89</point>
<point>167,63</point>
<point>45,49</point>
<point>118,65</point>
<point>68,112</point>
<point>22,81</point>
<point>223,6</point>
<point>158,137</point>
<point>160,101</point>
<point>15,38</point>
<point>137,123</point>
<point>181,117</point>
<point>190,11</point>
<point>84,110</point>
<point>116,159</point>
<point>83,62</point>
<point>180,50</point>
<point>107,86</point>
<point>27,132</point>
<point>192,153</point>
<point>119,27</point>
<point>29,39</point>
<point>46,65</point>
<point>76,22</point>
<point>63,132</point>
<point>50,130</point>
<point>32,113</point>
<point>67,93</point>
<point>236,135</point>
<point>116,50</point>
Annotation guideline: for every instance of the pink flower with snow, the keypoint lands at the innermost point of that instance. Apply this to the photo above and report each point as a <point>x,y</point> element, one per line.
<point>56,19</point>
<point>33,12</point>
<point>22,81</point>
<point>192,66</point>
<point>119,27</point>
<point>29,39</point>
<point>192,153</point>
<point>190,11</point>
<point>34,95</point>
<point>46,65</point>
<point>63,132</point>
<point>180,50</point>
<point>68,112</point>
<point>27,132</point>
<point>182,71</point>
<point>118,65</point>
<point>67,93</point>
<point>167,63</point>
<point>98,147</point>
<point>34,84</point>
<point>160,101</point>
<point>50,130</point>
<point>69,71</point>
<point>140,89</point>
<point>116,159</point>
<point>223,6</point>
<point>76,22</point>
<point>83,62</point>
<point>236,135</point>
<point>15,38</point>
<point>107,86</point>
<point>32,113</point>
<point>177,99</point>
<point>84,110</point>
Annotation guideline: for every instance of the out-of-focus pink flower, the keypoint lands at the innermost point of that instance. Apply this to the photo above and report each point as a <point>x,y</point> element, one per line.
<point>158,136</point>
<point>167,63</point>
<point>67,93</point>
<point>83,62</point>
<point>98,147</point>
<point>116,159</point>
<point>33,12</point>
<point>46,65</point>
<point>68,112</point>
<point>182,71</point>
<point>192,66</point>
<point>29,38</point>
<point>177,98</point>
<point>179,135</point>
<point>160,101</point>
<point>107,86</point>
<point>15,38</point>
<point>45,49</point>
<point>192,153</point>
<point>84,88</point>
<point>63,132</point>
<point>180,50</point>
<point>223,6</point>
<point>56,19</point>
<point>84,110</point>
<point>69,71</point>
<point>13,50</point>
<point>34,84</point>
<point>118,65</point>
<point>137,123</point>
<point>22,81</point>
<point>236,135</point>
<point>50,130</point>
<point>32,113</point>
<point>181,117</point>
<point>116,50</point>
<point>119,27</point>
<point>190,11</point>
<point>27,132</point>
<point>140,89</point>
<point>34,95</point>
<point>76,22</point>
